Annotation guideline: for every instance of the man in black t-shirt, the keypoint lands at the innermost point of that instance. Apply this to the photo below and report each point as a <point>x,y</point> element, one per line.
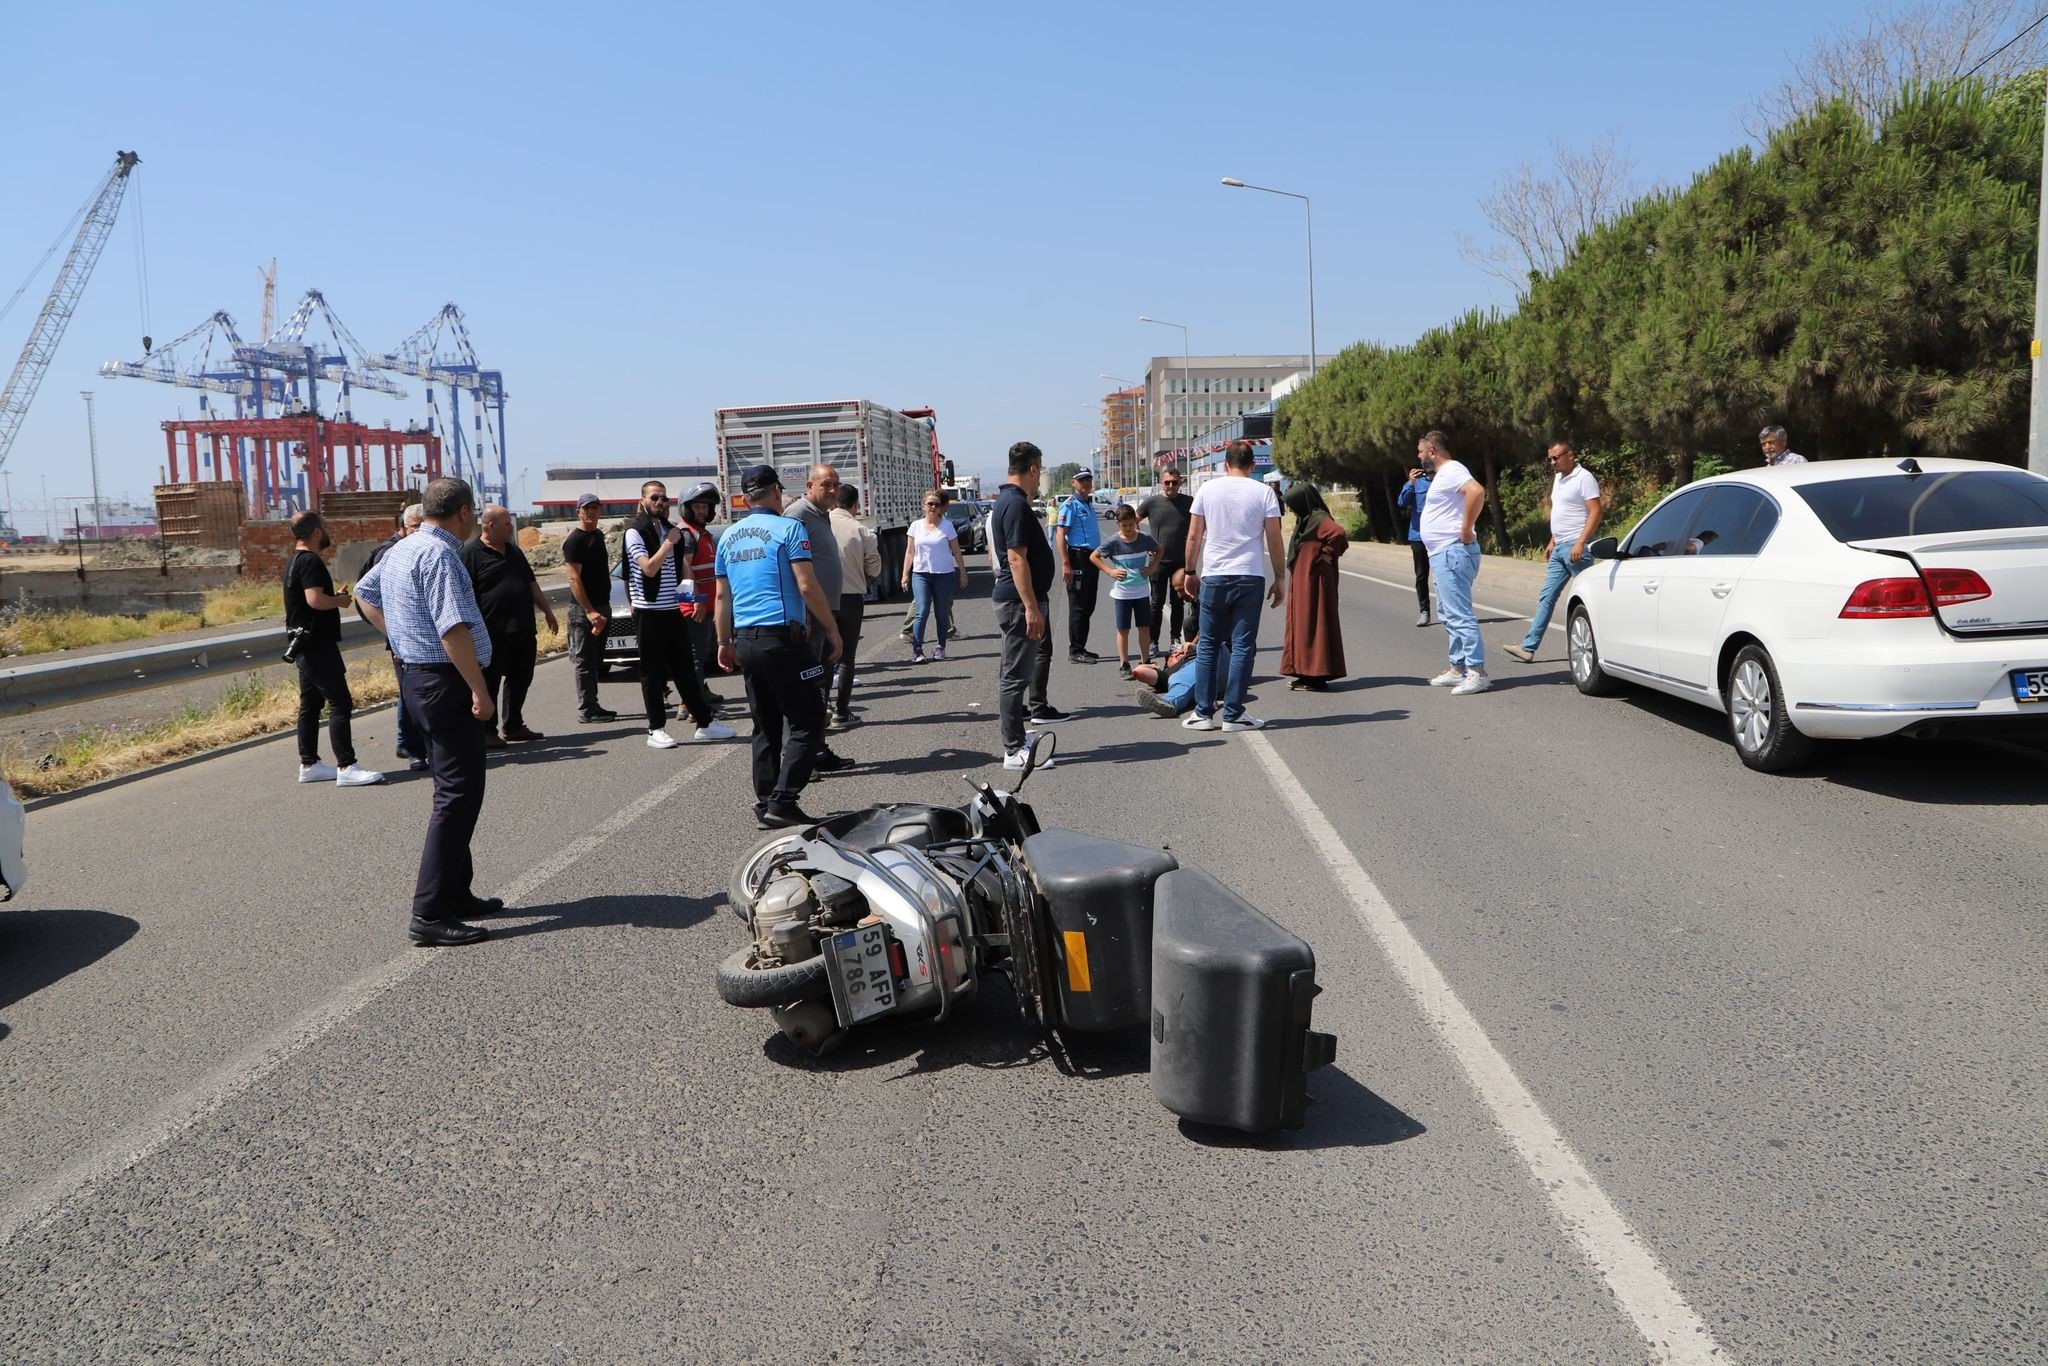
<point>1024,574</point>
<point>507,591</point>
<point>312,611</point>
<point>1166,516</point>
<point>590,583</point>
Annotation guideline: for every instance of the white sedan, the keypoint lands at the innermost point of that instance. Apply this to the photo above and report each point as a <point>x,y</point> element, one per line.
<point>1843,600</point>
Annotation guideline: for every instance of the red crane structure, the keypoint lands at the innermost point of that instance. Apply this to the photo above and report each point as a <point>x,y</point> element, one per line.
<point>333,454</point>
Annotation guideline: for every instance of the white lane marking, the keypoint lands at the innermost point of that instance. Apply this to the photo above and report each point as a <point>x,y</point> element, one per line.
<point>45,1201</point>
<point>1624,1262</point>
<point>1409,587</point>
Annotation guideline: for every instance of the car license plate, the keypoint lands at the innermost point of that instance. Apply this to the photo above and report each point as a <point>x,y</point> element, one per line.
<point>2030,685</point>
<point>863,984</point>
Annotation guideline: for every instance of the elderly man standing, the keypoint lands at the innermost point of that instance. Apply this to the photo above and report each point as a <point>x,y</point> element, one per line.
<point>814,510</point>
<point>507,591</point>
<point>1076,534</point>
<point>420,597</point>
<point>860,561</point>
<point>1574,517</point>
<point>410,747</point>
<point>1777,447</point>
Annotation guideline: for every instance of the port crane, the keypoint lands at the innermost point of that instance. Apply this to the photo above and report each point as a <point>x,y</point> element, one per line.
<point>441,353</point>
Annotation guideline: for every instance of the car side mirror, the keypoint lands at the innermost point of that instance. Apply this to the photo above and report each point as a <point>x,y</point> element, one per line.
<point>1606,548</point>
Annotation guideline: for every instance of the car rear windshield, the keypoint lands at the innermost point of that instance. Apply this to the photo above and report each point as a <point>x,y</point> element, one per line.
<point>1894,505</point>
<point>960,512</point>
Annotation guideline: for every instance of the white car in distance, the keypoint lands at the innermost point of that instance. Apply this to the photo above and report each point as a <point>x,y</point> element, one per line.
<point>1839,600</point>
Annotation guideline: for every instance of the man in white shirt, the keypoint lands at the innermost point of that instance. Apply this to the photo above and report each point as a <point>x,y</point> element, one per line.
<point>1778,447</point>
<point>1450,518</point>
<point>860,556</point>
<point>1574,517</point>
<point>1234,517</point>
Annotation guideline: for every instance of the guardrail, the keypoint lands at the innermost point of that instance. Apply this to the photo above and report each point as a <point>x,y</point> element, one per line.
<point>60,682</point>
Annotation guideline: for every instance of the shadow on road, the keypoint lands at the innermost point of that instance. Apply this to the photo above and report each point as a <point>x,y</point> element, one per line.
<point>597,912</point>
<point>1387,681</point>
<point>949,759</point>
<point>39,948</point>
<point>1937,771</point>
<point>1132,752</point>
<point>1350,719</point>
<point>1342,1113</point>
<point>1548,678</point>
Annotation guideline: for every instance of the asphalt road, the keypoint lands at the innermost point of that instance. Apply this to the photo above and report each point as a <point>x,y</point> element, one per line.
<point>1785,1027</point>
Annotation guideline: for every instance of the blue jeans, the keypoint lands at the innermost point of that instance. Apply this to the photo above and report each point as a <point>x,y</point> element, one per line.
<point>1180,689</point>
<point>1230,612</point>
<point>927,592</point>
<point>1562,569</point>
<point>1456,567</point>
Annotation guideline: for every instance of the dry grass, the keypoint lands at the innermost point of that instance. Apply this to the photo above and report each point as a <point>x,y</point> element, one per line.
<point>243,711</point>
<point>239,602</point>
<point>34,633</point>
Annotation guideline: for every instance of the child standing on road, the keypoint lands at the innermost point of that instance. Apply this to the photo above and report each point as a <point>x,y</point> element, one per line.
<point>1129,562</point>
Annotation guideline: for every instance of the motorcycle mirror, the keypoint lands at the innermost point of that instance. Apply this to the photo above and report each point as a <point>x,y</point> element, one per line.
<point>1039,747</point>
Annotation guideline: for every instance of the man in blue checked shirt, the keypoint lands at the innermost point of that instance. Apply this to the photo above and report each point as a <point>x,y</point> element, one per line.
<point>1075,536</point>
<point>419,596</point>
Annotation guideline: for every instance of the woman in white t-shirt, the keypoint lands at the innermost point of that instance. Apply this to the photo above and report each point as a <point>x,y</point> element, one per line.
<point>931,567</point>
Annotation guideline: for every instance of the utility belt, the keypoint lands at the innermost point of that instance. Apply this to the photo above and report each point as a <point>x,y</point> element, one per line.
<point>790,632</point>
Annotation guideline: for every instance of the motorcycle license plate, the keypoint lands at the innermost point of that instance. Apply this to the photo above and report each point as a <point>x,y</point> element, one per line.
<point>858,965</point>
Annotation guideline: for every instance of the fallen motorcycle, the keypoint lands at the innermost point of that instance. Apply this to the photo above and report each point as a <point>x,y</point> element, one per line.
<point>901,910</point>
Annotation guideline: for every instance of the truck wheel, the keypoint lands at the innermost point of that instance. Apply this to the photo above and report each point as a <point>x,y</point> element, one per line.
<point>742,984</point>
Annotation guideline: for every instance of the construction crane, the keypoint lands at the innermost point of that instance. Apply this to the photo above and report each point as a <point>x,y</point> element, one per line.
<point>441,353</point>
<point>63,301</point>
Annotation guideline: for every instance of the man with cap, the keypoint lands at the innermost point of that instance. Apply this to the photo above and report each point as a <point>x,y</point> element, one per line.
<point>700,505</point>
<point>588,565</point>
<point>814,510</point>
<point>1075,536</point>
<point>653,545</point>
<point>776,626</point>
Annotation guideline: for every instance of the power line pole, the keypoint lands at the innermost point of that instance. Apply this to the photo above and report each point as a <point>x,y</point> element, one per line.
<point>92,446</point>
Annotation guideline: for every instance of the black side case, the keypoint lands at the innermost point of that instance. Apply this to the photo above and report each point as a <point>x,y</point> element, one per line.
<point>1231,999</point>
<point>1098,893</point>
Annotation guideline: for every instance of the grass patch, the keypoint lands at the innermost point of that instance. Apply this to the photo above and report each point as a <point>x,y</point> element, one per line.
<point>34,633</point>
<point>239,602</point>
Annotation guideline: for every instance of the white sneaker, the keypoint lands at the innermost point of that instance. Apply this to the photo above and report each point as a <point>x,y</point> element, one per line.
<point>1245,722</point>
<point>355,775</point>
<point>1015,760</point>
<point>1474,682</point>
<point>316,773</point>
<point>1194,720</point>
<point>1449,678</point>
<point>717,730</point>
<point>661,739</point>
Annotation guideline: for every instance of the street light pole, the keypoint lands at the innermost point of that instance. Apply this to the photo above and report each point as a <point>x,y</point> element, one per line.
<point>1186,384</point>
<point>1237,184</point>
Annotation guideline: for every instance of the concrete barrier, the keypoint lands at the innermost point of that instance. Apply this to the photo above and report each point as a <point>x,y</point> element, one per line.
<point>60,682</point>
<point>113,592</point>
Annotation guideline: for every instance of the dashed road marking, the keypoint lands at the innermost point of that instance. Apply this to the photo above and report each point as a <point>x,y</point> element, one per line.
<point>1623,1260</point>
<point>150,1135</point>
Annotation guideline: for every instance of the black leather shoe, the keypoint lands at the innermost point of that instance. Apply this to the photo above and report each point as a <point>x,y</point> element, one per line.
<point>418,765</point>
<point>484,905</point>
<point>404,753</point>
<point>598,717</point>
<point>778,815</point>
<point>832,763</point>
<point>445,933</point>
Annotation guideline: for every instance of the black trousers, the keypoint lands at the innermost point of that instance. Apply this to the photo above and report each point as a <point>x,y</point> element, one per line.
<point>439,702</point>
<point>510,671</point>
<point>323,677</point>
<point>1164,599</point>
<point>1421,574</point>
<point>666,652</point>
<point>852,613</point>
<point>586,657</point>
<point>1081,592</point>
<point>781,671</point>
<point>1026,669</point>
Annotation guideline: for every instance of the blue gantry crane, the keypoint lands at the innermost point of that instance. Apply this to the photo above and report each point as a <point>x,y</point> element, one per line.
<point>441,353</point>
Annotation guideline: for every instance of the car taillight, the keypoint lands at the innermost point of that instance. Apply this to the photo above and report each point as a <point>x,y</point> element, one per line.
<point>1890,599</point>
<point>1952,586</point>
<point>1887,598</point>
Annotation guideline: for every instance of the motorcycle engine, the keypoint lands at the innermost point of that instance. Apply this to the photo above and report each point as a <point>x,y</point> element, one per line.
<point>782,920</point>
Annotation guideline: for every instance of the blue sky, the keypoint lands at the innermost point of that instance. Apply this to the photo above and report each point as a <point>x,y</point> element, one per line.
<point>648,212</point>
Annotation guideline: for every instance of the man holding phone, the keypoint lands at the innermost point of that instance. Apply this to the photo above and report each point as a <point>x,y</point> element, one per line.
<point>1450,531</point>
<point>653,545</point>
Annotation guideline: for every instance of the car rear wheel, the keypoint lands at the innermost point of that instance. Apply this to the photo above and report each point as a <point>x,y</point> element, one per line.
<point>1592,680</point>
<point>1764,735</point>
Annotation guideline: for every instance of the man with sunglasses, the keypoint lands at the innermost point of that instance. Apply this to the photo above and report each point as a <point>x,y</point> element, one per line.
<point>1574,517</point>
<point>1166,517</point>
<point>654,551</point>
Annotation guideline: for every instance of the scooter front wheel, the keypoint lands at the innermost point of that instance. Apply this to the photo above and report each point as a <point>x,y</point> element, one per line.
<point>742,984</point>
<point>750,876</point>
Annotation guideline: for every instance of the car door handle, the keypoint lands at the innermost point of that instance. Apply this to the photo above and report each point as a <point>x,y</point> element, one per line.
<point>1722,590</point>
<point>1650,586</point>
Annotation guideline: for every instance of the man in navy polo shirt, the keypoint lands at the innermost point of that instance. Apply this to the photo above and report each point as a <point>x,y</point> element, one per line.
<point>1075,538</point>
<point>769,604</point>
<point>1024,571</point>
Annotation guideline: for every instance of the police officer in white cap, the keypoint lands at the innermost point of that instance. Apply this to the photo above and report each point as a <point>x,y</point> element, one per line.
<point>769,605</point>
